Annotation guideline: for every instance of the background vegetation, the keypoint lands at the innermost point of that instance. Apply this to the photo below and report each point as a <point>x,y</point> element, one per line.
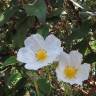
<point>75,27</point>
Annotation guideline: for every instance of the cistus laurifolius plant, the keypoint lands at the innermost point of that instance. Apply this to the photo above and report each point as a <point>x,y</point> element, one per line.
<point>47,48</point>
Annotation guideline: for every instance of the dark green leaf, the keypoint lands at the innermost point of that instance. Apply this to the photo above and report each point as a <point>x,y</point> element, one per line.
<point>43,30</point>
<point>38,9</point>
<point>82,31</point>
<point>81,46</point>
<point>9,12</point>
<point>20,86</point>
<point>44,86</point>
<point>10,61</point>
<point>22,27</point>
<point>13,78</point>
<point>90,58</point>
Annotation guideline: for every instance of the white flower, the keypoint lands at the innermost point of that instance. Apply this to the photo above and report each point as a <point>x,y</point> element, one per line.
<point>38,52</point>
<point>70,69</point>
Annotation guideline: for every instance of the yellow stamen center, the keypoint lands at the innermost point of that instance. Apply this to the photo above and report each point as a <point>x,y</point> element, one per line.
<point>70,72</point>
<point>41,55</point>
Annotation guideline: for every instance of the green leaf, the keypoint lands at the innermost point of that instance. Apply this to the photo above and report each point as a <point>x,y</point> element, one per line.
<point>81,46</point>
<point>10,61</point>
<point>90,58</point>
<point>22,28</point>
<point>43,30</point>
<point>38,9</point>
<point>44,86</point>
<point>1,17</point>
<point>14,77</point>
<point>7,14</point>
<point>55,13</point>
<point>21,87</point>
<point>82,31</point>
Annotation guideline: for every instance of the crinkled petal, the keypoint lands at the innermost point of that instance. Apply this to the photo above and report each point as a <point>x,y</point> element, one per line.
<point>64,59</point>
<point>35,65</point>
<point>54,55</point>
<point>32,66</point>
<point>61,77</point>
<point>53,47</point>
<point>35,42</point>
<point>74,81</point>
<point>25,55</point>
<point>60,73</point>
<point>52,42</point>
<point>75,58</point>
<point>83,72</point>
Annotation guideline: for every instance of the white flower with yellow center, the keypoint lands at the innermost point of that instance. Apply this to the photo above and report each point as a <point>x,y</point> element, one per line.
<point>38,52</point>
<point>70,69</point>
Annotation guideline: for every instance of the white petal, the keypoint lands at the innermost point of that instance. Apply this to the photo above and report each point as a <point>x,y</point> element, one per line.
<point>25,55</point>
<point>54,54</point>
<point>53,46</point>
<point>35,65</point>
<point>64,59</point>
<point>74,81</point>
<point>83,72</point>
<point>61,77</point>
<point>60,73</point>
<point>32,66</point>
<point>75,58</point>
<point>29,66</point>
<point>35,42</point>
<point>52,42</point>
